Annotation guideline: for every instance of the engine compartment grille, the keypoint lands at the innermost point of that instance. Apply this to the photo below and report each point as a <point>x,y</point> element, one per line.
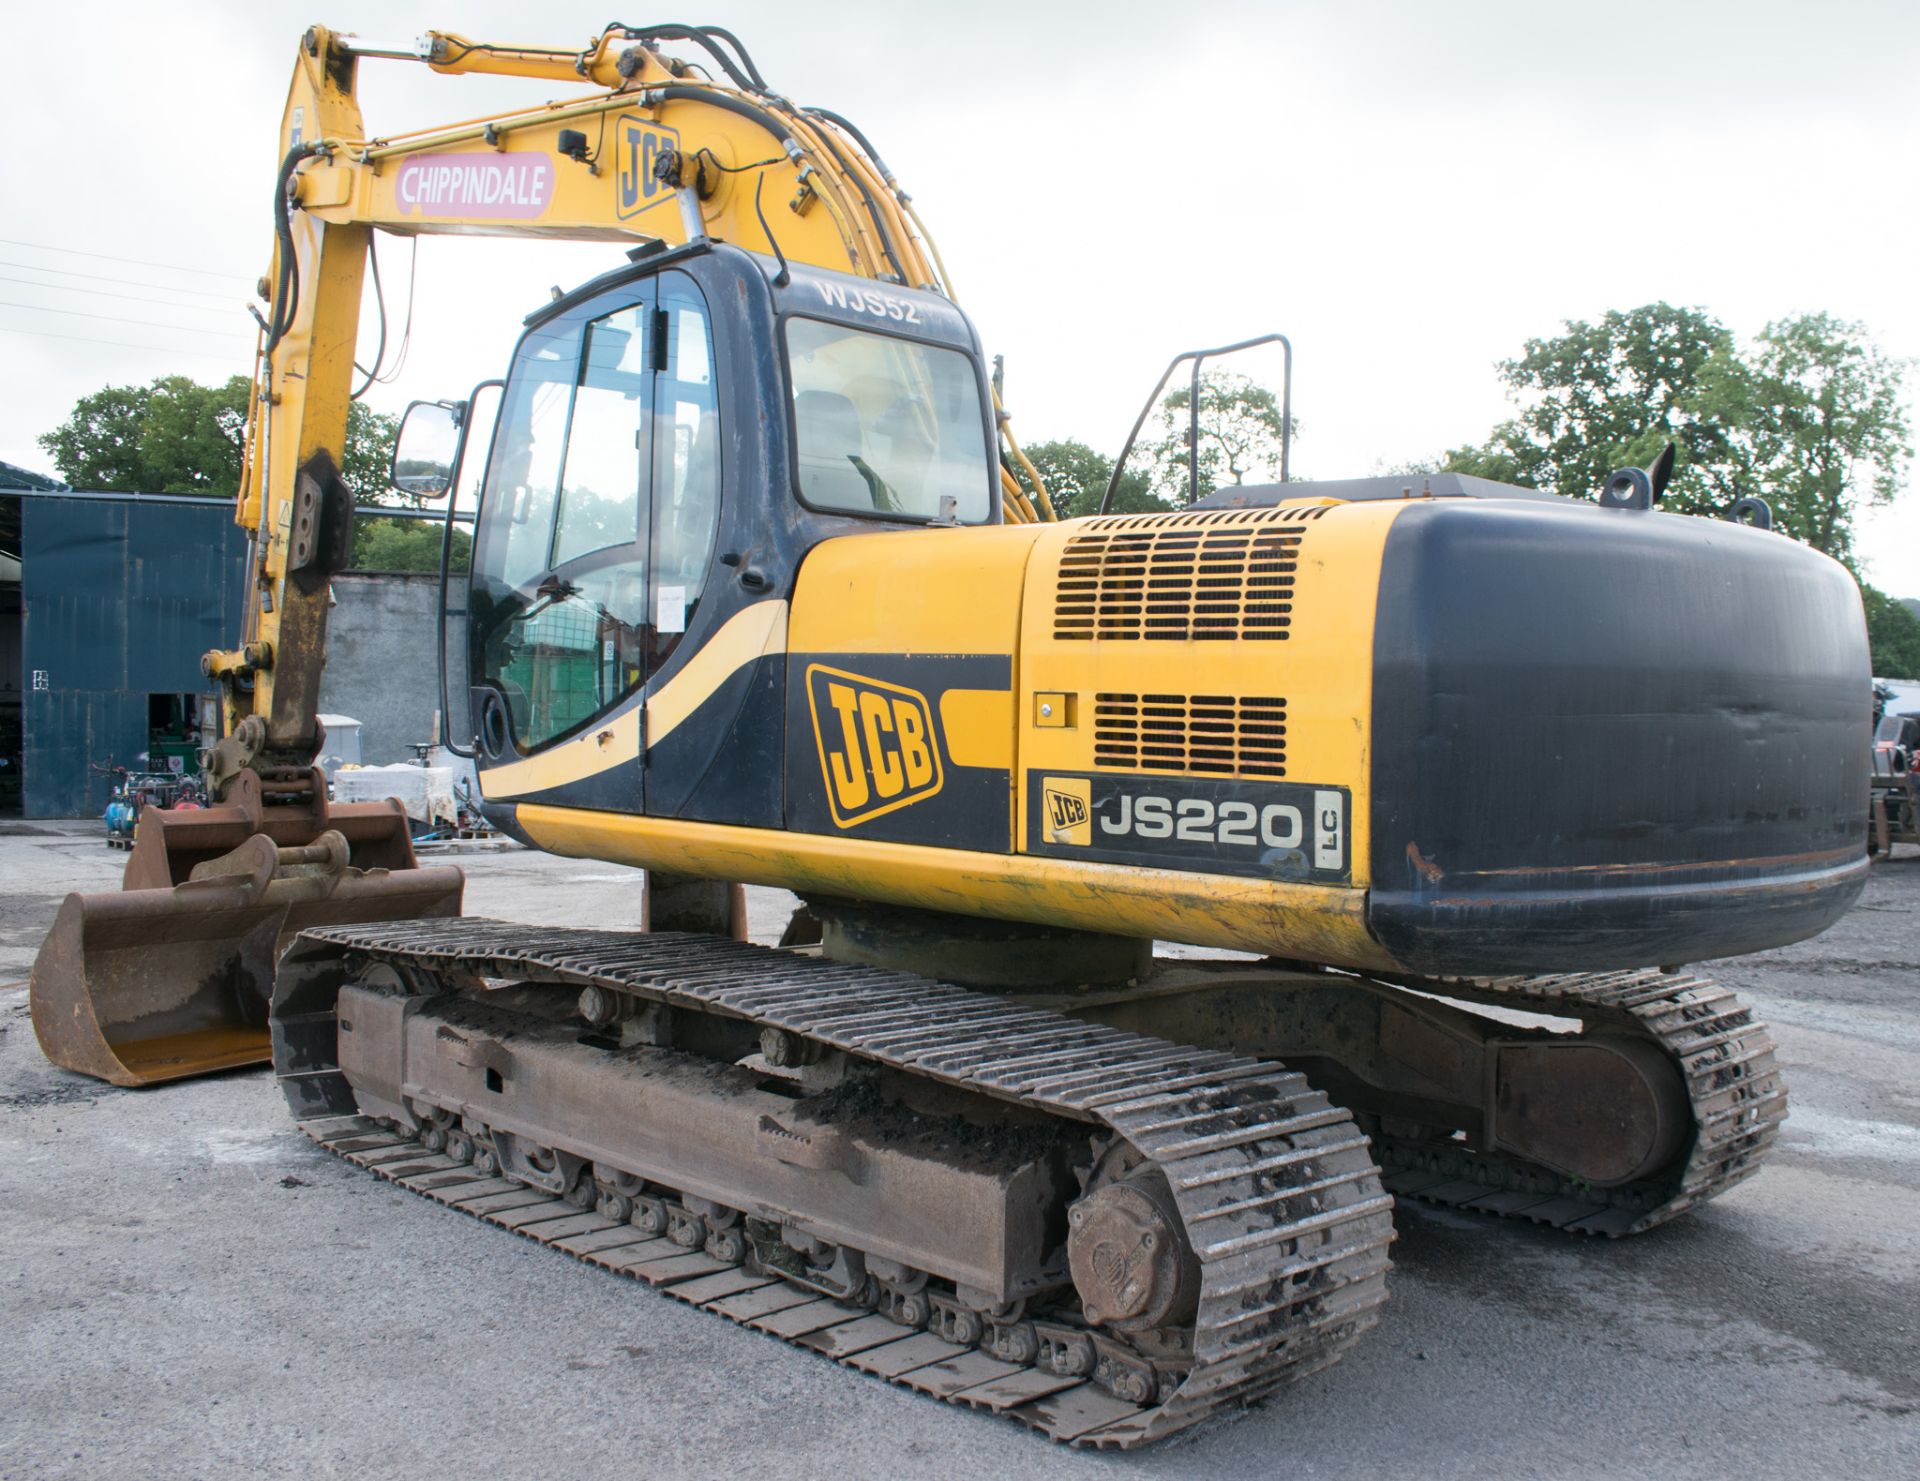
<point>1220,575</point>
<point>1198,734</point>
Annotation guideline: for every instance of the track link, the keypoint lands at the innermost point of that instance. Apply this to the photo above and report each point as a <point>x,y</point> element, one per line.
<point>1276,1188</point>
<point>1734,1088</point>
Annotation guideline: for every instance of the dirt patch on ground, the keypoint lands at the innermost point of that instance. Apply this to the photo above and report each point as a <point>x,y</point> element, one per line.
<point>59,1093</point>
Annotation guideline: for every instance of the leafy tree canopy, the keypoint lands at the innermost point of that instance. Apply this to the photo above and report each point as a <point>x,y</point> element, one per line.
<point>1076,477</point>
<point>1815,416</point>
<point>389,544</point>
<point>173,436</point>
<point>1893,633</point>
<point>1608,395</point>
<point>1240,436</point>
<point>1810,417</point>
<point>177,436</point>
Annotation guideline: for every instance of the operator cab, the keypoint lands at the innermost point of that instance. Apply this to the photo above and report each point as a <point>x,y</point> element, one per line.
<point>673,437</point>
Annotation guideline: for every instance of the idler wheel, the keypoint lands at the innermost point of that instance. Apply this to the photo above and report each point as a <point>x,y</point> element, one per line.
<point>1131,1262</point>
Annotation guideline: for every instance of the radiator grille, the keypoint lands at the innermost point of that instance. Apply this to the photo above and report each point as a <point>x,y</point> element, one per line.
<point>1197,734</point>
<point>1219,574</point>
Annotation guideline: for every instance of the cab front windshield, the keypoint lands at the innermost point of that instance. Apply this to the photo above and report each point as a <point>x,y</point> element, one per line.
<point>886,426</point>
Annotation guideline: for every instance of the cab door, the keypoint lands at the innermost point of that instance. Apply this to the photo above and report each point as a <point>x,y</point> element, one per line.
<point>561,632</point>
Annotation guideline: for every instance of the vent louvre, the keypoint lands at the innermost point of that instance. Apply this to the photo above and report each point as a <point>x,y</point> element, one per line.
<point>1220,575</point>
<point>1192,734</point>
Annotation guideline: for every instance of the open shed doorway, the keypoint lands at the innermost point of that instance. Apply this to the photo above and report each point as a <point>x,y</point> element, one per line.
<point>173,733</point>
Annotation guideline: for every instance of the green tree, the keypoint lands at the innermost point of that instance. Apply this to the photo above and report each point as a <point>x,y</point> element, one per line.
<point>1811,418</point>
<point>1816,424</point>
<point>98,446</point>
<point>369,458</point>
<point>1076,477</point>
<point>1610,395</point>
<point>1893,633</point>
<point>392,544</point>
<point>193,437</point>
<point>1240,436</point>
<point>173,436</point>
<point>177,436</point>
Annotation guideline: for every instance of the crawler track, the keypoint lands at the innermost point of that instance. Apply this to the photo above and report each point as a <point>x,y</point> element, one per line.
<point>1277,1189</point>
<point>1733,1084</point>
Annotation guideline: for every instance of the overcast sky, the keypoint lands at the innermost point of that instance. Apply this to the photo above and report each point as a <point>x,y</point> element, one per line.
<point>1408,190</point>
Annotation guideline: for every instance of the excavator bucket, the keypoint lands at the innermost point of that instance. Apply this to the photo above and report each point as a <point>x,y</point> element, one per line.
<point>170,977</point>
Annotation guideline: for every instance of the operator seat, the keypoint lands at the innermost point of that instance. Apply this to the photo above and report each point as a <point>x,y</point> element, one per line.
<point>829,439</point>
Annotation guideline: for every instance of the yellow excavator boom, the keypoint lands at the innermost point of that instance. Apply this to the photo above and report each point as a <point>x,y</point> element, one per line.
<point>168,978</point>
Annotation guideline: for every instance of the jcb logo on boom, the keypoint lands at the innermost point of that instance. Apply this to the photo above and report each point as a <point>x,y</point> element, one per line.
<point>877,746</point>
<point>640,143</point>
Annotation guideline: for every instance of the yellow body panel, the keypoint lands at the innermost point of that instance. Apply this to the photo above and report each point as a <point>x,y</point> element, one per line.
<point>990,594</point>
<point>978,726</point>
<point>926,592</point>
<point>914,591</point>
<point>1309,921</point>
<point>1323,669</point>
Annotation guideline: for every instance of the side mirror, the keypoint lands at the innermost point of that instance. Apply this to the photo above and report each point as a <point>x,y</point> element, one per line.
<point>423,453</point>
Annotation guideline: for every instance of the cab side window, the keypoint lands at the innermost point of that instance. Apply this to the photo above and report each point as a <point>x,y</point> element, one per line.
<point>600,507</point>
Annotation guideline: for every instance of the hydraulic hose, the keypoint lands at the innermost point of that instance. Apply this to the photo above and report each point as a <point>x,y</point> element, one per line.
<point>846,127</point>
<point>680,92</point>
<point>873,207</point>
<point>286,292</point>
<point>721,33</point>
<point>744,74</point>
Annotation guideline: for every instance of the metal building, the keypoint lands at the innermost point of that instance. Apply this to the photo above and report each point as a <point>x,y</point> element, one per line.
<point>107,601</point>
<point>114,599</point>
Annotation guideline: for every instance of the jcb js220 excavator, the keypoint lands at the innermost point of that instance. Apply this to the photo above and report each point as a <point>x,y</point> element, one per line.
<point>761,592</point>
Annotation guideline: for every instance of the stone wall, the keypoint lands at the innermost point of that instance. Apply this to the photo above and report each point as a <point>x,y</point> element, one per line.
<point>381,651</point>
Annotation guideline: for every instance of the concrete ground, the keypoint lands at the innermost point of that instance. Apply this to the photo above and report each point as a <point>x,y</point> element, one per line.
<point>189,1289</point>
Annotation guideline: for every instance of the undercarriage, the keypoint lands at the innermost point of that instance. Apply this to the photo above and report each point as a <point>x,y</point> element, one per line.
<point>1107,1211</point>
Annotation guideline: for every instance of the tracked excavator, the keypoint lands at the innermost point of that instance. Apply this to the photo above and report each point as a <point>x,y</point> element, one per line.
<point>1452,779</point>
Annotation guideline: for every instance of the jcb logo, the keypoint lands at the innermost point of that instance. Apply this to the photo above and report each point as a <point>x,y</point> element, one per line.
<point>876,740</point>
<point>640,143</point>
<point>1066,804</point>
